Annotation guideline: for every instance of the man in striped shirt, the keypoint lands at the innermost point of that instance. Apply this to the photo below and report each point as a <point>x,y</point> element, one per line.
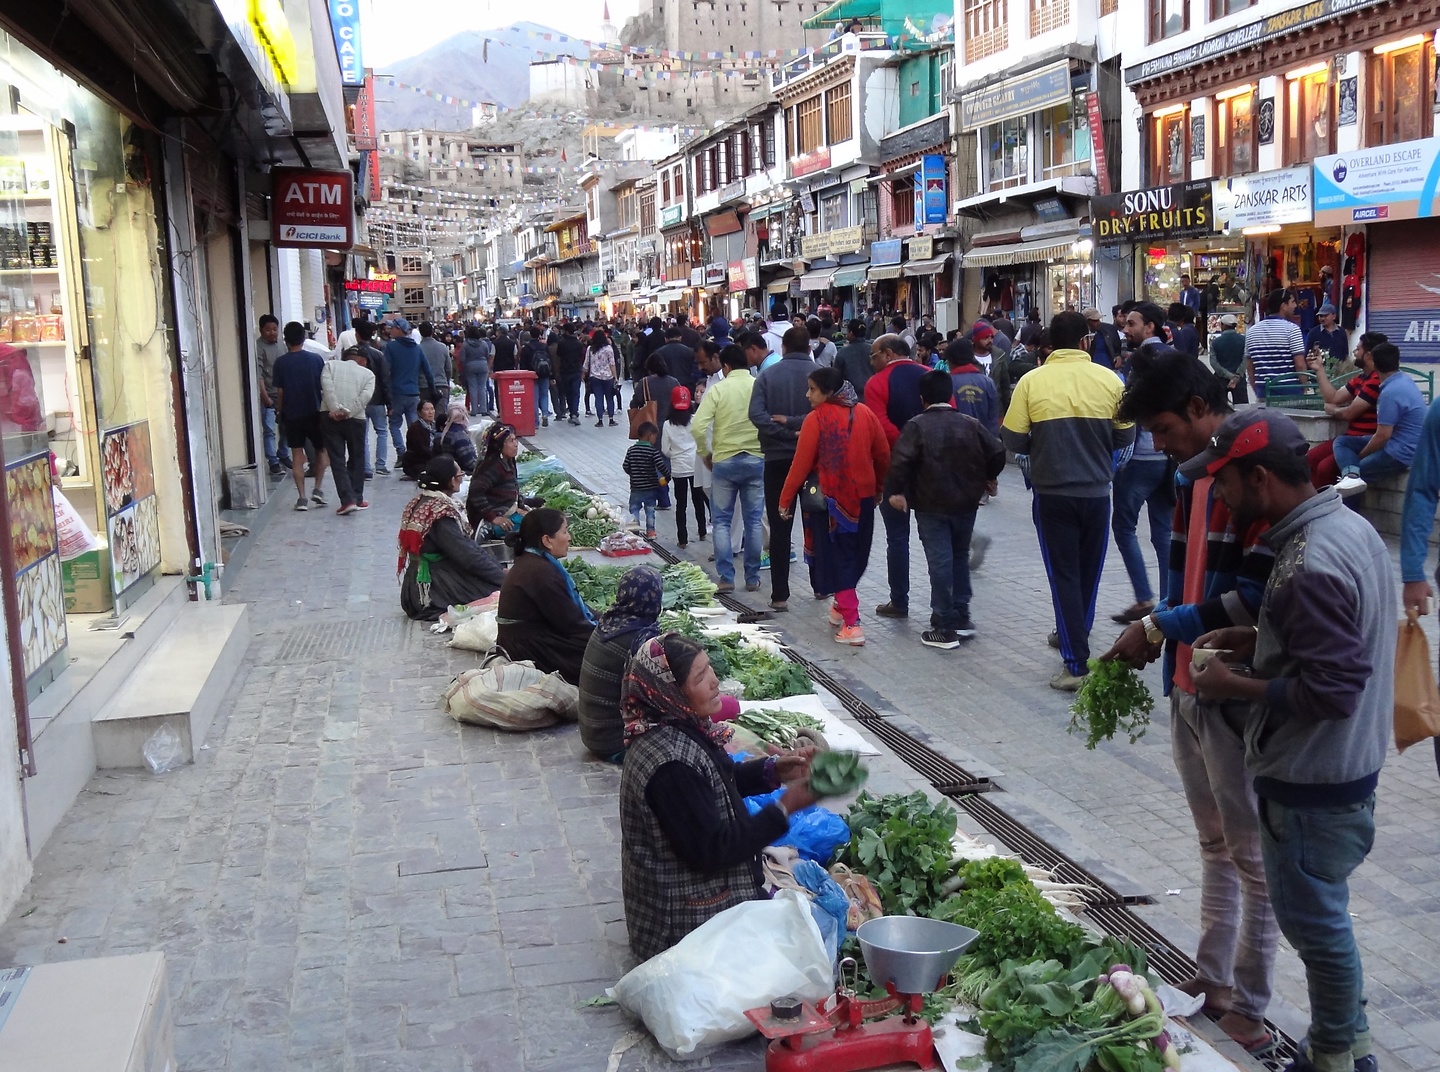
<point>1275,346</point>
<point>1212,585</point>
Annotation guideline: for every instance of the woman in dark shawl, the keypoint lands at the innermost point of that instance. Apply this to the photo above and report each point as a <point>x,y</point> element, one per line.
<point>542,617</point>
<point>688,848</point>
<point>441,564</point>
<point>631,620</point>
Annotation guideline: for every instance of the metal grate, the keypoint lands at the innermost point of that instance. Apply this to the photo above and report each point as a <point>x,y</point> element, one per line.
<point>344,640</point>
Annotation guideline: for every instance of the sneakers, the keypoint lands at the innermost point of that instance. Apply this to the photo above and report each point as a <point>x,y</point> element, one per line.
<point>613,422</point>
<point>346,509</point>
<point>1350,484</point>
<point>276,469</point>
<point>649,534</point>
<point>575,421</point>
<point>780,606</point>
<point>939,638</point>
<point>601,424</point>
<point>765,561</point>
<point>1053,639</point>
<point>890,610</point>
<point>1065,681</point>
<point>749,587</point>
<point>382,470</point>
<point>965,630</point>
<point>301,504</point>
<point>362,505</point>
<point>852,635</point>
<point>318,497</point>
<point>978,546</point>
<point>544,422</point>
<point>1134,612</point>
<point>369,476</point>
<point>836,618</point>
<point>725,586</point>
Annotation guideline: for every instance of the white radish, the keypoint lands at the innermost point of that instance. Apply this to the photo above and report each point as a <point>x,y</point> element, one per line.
<point>1128,987</point>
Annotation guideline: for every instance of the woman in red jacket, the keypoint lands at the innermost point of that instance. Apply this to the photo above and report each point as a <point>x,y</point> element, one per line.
<point>843,445</point>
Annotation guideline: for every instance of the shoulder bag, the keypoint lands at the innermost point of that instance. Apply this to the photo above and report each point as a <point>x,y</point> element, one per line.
<point>646,411</point>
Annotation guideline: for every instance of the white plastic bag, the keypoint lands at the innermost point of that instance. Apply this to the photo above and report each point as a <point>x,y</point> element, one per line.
<point>511,696</point>
<point>162,750</point>
<point>75,536</point>
<point>694,995</point>
<point>478,632</point>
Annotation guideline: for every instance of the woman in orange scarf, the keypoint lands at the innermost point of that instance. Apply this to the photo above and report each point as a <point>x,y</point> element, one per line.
<point>841,459</point>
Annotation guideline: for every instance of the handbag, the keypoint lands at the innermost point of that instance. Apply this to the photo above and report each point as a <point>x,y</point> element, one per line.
<point>812,499</point>
<point>1417,701</point>
<point>646,411</point>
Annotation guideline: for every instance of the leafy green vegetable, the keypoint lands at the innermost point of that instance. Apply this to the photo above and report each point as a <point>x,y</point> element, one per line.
<point>1112,698</point>
<point>682,587</point>
<point>776,725</point>
<point>836,774</point>
<point>902,844</point>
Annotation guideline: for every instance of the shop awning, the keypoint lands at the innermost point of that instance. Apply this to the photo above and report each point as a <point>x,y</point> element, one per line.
<point>779,286</point>
<point>850,275</point>
<point>667,296</point>
<point>927,267</point>
<point>1017,252</point>
<point>816,280</point>
<point>884,271</point>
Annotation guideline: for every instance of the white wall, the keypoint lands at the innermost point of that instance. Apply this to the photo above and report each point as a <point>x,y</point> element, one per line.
<point>14,853</point>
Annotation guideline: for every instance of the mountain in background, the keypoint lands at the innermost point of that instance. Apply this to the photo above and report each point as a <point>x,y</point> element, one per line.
<point>463,67</point>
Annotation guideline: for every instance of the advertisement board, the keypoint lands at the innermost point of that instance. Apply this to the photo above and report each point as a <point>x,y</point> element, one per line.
<point>1388,182</point>
<point>932,189</point>
<point>1265,199</point>
<point>1016,96</point>
<point>345,23</point>
<point>1181,210</point>
<point>312,209</point>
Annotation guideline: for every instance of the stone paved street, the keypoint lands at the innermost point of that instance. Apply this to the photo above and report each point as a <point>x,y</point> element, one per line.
<point>349,880</point>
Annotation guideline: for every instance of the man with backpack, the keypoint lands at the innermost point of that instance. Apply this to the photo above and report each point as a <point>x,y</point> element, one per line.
<point>822,350</point>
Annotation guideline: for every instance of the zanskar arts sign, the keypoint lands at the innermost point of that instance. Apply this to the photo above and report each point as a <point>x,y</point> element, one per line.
<point>1182,210</point>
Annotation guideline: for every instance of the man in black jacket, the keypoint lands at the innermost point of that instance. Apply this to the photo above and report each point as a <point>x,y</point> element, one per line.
<point>570,356</point>
<point>941,465</point>
<point>778,406</point>
<point>504,360</point>
<point>853,359</point>
<point>1105,346</point>
<point>679,358</point>
<point>377,413</point>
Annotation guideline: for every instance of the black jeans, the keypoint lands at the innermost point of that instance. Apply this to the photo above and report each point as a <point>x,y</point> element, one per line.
<point>345,443</point>
<point>897,553</point>
<point>1073,532</point>
<point>570,388</point>
<point>686,486</point>
<point>776,471</point>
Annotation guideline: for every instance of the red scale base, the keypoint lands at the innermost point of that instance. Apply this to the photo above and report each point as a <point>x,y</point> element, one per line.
<point>841,1040</point>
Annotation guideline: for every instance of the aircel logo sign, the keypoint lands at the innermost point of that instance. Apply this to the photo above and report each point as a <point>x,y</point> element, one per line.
<point>312,209</point>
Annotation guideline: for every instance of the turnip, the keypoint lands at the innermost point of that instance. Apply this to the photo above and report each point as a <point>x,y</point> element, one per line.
<point>1168,1051</point>
<point>592,512</point>
<point>1130,988</point>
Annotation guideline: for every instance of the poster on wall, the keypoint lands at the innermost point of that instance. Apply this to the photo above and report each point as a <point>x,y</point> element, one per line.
<point>132,519</point>
<point>1387,182</point>
<point>39,585</point>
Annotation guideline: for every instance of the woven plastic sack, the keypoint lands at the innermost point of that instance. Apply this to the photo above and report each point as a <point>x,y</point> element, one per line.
<point>694,995</point>
<point>511,696</point>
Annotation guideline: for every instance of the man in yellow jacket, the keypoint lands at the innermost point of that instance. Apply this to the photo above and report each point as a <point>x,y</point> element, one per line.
<point>737,466</point>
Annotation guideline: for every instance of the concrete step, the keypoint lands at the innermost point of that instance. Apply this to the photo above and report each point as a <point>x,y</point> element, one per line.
<point>180,683</point>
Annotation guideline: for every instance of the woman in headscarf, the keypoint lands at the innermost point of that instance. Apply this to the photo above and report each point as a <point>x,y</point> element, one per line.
<point>441,563</point>
<point>843,444</point>
<point>542,617</point>
<point>632,619</point>
<point>455,438</point>
<point>494,504</point>
<point>688,848</point>
<point>421,440</point>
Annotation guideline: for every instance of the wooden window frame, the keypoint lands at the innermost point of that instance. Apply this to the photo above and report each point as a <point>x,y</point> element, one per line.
<point>987,28</point>
<point>1158,166</point>
<point>839,124</point>
<point>1295,117</point>
<point>902,203</point>
<point>1380,87</point>
<point>1155,21</point>
<point>809,125</point>
<point>1217,7</point>
<point>1224,166</point>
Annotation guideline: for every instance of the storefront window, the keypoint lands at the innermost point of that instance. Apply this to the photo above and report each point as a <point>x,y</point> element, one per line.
<point>1235,132</point>
<point>902,202</point>
<point>1170,150</point>
<point>1007,153</point>
<point>832,213</point>
<point>1399,102</point>
<point>1309,116</point>
<point>1071,285</point>
<point>1065,135</point>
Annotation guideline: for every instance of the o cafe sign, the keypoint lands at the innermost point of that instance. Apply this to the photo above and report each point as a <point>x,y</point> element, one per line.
<point>1181,210</point>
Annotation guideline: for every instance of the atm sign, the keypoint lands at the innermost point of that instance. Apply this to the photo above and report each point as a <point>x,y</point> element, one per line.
<point>312,209</point>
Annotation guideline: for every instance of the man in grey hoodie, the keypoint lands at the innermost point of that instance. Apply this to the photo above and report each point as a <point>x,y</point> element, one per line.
<point>778,407</point>
<point>1323,698</point>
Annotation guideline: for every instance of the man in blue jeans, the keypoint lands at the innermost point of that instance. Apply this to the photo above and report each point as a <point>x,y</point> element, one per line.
<point>377,413</point>
<point>407,367</point>
<point>737,467</point>
<point>1322,697</point>
<point>1399,417</point>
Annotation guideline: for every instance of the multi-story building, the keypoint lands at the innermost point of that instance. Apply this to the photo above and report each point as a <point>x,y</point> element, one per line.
<point>679,246</point>
<point>647,245</point>
<point>412,269</point>
<point>1283,144</point>
<point>451,158</point>
<point>612,205</point>
<point>577,264</point>
<point>499,268</point>
<point>1026,93</point>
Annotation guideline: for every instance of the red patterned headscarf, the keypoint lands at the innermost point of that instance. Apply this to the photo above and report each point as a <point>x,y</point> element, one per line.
<point>650,697</point>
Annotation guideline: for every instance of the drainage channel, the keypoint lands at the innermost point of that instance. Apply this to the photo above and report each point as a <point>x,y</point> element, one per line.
<point>1108,909</point>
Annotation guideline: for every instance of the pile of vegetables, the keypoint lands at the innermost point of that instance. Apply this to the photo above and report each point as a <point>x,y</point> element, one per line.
<point>765,675</point>
<point>776,725</point>
<point>589,518</point>
<point>1112,698</point>
<point>685,584</point>
<point>1049,995</point>
<point>837,774</point>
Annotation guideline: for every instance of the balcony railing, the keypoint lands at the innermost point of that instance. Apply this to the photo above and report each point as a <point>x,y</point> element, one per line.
<point>572,250</point>
<point>819,57</point>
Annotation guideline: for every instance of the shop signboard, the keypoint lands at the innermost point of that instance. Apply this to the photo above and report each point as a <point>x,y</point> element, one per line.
<point>846,239</point>
<point>670,215</point>
<point>732,192</point>
<point>596,289</point>
<point>1181,210</point>
<point>1097,141</point>
<point>1016,96</point>
<point>366,139</point>
<point>930,190</point>
<point>368,299</point>
<point>236,14</point>
<point>809,163</point>
<point>887,251</point>
<point>697,277</point>
<point>345,22</point>
<point>736,273</point>
<point>714,273</point>
<point>922,249</point>
<point>1388,182</point>
<point>1265,199</point>
<point>312,209</point>
<point>371,286</point>
<point>814,246</point>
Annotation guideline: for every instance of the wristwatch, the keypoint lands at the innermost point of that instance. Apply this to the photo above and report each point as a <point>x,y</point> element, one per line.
<point>1152,631</point>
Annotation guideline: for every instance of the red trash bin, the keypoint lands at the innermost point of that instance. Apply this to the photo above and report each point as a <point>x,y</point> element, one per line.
<point>515,396</point>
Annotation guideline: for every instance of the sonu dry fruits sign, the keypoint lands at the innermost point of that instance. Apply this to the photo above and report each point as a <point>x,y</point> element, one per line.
<point>312,209</point>
<point>1181,210</point>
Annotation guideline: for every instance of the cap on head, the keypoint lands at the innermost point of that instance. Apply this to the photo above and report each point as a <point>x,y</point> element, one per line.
<point>680,398</point>
<point>1092,313</point>
<point>982,332</point>
<point>1229,320</point>
<point>401,323</point>
<point>1325,309</point>
<point>1257,434</point>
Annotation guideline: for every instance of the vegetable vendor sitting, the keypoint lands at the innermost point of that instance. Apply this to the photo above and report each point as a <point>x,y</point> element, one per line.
<point>688,848</point>
<point>631,620</point>
<point>441,563</point>
<point>542,617</point>
<point>494,504</point>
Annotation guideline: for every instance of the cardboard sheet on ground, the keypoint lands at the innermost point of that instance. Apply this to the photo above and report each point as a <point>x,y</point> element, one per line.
<point>840,735</point>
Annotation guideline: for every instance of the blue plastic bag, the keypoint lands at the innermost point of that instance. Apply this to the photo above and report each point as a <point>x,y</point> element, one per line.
<point>816,832</point>
<point>831,907</point>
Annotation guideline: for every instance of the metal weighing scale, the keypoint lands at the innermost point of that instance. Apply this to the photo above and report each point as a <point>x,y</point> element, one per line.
<point>909,956</point>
